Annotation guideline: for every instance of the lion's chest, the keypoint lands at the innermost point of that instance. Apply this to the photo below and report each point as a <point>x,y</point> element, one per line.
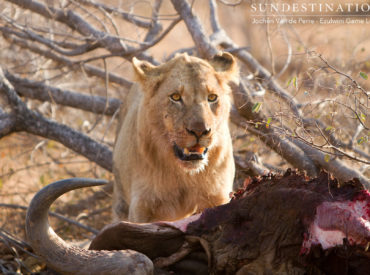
<point>186,192</point>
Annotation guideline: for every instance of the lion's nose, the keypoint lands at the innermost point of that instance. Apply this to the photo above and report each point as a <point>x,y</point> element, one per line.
<point>199,130</point>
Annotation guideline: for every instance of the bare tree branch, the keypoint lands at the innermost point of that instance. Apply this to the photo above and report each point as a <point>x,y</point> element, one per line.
<point>28,34</point>
<point>154,41</point>
<point>89,69</point>
<point>259,71</point>
<point>293,154</point>
<point>74,21</point>
<point>195,28</point>
<point>341,171</point>
<point>42,92</point>
<point>254,168</point>
<point>289,56</point>
<point>356,84</point>
<point>156,27</point>
<point>12,240</point>
<point>215,22</point>
<point>34,123</point>
<point>262,73</point>
<point>224,40</point>
<point>132,18</point>
<point>94,37</point>
<point>7,124</point>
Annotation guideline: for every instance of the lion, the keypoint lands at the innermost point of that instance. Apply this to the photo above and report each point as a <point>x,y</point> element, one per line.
<point>173,153</point>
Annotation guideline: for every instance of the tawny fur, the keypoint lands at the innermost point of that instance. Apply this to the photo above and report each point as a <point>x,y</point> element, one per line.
<point>151,183</point>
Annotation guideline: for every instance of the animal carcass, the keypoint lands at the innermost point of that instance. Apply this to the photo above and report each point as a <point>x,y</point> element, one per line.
<point>277,225</point>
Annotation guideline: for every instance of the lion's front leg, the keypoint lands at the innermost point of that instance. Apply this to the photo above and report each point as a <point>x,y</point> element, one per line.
<point>137,210</point>
<point>141,211</point>
<point>152,209</point>
<point>120,209</point>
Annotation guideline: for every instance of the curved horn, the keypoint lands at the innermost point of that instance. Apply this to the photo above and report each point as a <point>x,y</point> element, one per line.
<point>68,259</point>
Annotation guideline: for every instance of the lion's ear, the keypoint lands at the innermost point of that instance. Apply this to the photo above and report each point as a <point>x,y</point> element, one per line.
<point>144,69</point>
<point>225,66</point>
<point>147,74</point>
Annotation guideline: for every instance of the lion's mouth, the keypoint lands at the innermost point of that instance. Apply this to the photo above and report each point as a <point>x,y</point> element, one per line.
<point>196,152</point>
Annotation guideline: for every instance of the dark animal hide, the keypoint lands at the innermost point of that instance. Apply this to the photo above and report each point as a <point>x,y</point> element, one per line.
<point>277,225</point>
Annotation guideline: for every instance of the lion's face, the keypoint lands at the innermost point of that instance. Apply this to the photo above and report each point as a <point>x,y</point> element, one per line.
<point>188,101</point>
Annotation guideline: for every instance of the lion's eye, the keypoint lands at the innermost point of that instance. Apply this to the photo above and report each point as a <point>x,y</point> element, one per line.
<point>175,97</point>
<point>212,97</point>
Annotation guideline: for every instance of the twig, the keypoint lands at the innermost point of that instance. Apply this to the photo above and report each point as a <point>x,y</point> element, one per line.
<point>245,56</point>
<point>124,15</point>
<point>332,140</point>
<point>14,241</point>
<point>14,171</point>
<point>53,214</point>
<point>357,85</point>
<point>341,171</point>
<point>292,153</point>
<point>327,133</point>
<point>75,22</point>
<point>156,26</point>
<point>227,3</point>
<point>269,44</point>
<point>91,15</point>
<point>359,128</point>
<point>90,70</point>
<point>137,51</point>
<point>215,22</point>
<point>141,49</point>
<point>271,83</point>
<point>343,153</point>
<point>106,99</point>
<point>28,34</point>
<point>85,203</point>
<point>243,114</point>
<point>291,146</point>
<point>111,20</point>
<point>85,29</point>
<point>329,146</point>
<point>260,71</point>
<point>289,56</point>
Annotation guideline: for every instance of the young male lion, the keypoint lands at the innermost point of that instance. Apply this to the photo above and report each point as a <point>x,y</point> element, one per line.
<point>173,153</point>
